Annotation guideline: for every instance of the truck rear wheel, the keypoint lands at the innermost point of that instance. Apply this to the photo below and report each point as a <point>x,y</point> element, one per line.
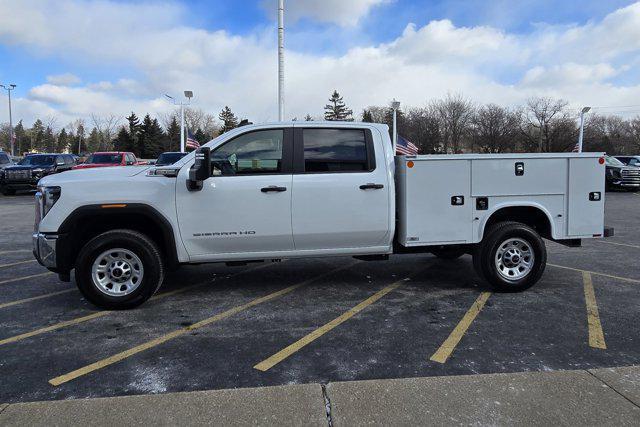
<point>511,257</point>
<point>119,269</point>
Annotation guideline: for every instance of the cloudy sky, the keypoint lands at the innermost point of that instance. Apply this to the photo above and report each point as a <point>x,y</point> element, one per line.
<point>72,58</point>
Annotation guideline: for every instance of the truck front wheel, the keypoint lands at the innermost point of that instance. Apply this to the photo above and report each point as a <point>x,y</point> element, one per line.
<point>119,269</point>
<point>511,257</point>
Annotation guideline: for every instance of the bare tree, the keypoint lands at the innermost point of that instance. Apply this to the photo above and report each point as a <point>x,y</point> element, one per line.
<point>106,127</point>
<point>455,113</point>
<point>422,127</point>
<point>541,120</point>
<point>634,133</point>
<point>495,129</point>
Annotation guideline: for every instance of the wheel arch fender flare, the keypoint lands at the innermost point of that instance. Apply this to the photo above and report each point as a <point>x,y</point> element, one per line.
<point>505,206</point>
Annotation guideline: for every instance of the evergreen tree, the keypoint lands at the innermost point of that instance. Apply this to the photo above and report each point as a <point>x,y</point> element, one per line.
<point>151,139</point>
<point>173,135</point>
<point>49,140</point>
<point>135,145</point>
<point>229,120</point>
<point>123,141</point>
<point>63,142</point>
<point>367,117</point>
<point>336,110</point>
<point>21,138</point>
<point>308,118</point>
<point>93,142</point>
<point>37,137</point>
<point>200,136</point>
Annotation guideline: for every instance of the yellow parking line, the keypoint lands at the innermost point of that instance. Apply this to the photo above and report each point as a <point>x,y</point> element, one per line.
<point>82,319</point>
<point>449,345</point>
<point>22,301</point>
<point>53,327</point>
<point>15,251</point>
<point>617,244</point>
<point>2,282</point>
<point>596,336</point>
<point>17,263</point>
<point>624,279</point>
<point>289,350</point>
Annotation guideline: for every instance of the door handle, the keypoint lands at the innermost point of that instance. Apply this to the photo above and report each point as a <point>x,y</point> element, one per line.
<point>371,186</point>
<point>273,188</point>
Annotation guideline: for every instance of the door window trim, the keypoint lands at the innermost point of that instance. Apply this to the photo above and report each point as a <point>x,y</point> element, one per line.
<point>287,152</point>
<point>298,150</point>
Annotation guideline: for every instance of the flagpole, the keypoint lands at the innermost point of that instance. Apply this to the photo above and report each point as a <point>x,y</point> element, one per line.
<point>580,138</point>
<point>281,60</point>
<point>181,127</point>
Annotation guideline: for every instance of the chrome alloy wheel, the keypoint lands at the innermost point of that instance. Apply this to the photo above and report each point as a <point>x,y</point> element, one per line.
<point>117,272</point>
<point>514,259</point>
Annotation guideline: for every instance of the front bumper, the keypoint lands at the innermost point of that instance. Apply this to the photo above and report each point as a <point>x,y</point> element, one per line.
<point>44,249</point>
<point>31,184</point>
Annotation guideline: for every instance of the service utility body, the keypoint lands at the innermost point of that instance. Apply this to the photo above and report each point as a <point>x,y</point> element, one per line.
<point>291,190</point>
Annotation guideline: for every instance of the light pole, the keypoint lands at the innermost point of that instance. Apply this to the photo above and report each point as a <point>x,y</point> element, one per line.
<point>281,60</point>
<point>395,105</point>
<point>9,88</point>
<point>582,113</point>
<point>187,94</point>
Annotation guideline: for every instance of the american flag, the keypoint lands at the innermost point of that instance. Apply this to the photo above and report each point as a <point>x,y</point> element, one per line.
<point>576,148</point>
<point>406,147</point>
<point>191,141</point>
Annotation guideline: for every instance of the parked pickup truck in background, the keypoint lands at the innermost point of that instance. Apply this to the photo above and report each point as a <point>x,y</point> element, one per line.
<point>25,174</point>
<point>109,158</point>
<point>621,176</point>
<point>290,190</point>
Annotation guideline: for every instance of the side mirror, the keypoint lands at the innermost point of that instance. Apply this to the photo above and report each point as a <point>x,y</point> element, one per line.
<point>201,169</point>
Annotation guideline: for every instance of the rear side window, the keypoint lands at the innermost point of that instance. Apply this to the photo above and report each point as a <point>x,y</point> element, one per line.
<point>68,160</point>
<point>335,150</point>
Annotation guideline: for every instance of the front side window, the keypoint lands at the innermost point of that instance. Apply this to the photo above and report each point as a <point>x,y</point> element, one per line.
<point>37,161</point>
<point>334,150</point>
<point>252,153</point>
<point>4,159</point>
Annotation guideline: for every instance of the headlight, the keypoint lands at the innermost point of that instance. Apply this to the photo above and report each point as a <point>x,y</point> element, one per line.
<point>48,197</point>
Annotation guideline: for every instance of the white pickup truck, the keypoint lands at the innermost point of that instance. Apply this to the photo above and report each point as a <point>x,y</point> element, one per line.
<point>289,190</point>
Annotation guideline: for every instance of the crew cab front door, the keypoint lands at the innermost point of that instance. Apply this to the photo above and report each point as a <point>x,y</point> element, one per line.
<point>244,210</point>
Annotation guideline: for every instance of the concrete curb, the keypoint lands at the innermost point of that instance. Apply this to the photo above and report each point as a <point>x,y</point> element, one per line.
<point>608,396</point>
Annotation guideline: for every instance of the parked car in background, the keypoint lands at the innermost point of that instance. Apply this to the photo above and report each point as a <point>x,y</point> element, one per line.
<point>619,175</point>
<point>109,158</point>
<point>26,174</point>
<point>169,158</point>
<point>630,160</point>
<point>5,160</point>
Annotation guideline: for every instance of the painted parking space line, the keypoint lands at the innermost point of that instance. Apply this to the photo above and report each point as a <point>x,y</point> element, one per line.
<point>449,345</point>
<point>16,251</point>
<point>182,331</point>
<point>309,338</point>
<point>17,279</point>
<point>611,276</point>
<point>617,244</point>
<point>596,336</point>
<point>17,263</point>
<point>25,300</point>
<point>86,318</point>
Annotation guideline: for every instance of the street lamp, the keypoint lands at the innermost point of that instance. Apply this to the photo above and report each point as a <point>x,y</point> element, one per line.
<point>395,105</point>
<point>9,88</point>
<point>187,94</point>
<point>582,113</point>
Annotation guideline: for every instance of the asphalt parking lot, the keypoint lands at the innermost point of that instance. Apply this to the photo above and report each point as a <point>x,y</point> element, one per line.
<point>315,320</point>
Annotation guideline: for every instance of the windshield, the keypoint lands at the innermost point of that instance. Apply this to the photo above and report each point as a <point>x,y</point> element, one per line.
<point>612,161</point>
<point>4,159</point>
<point>37,161</point>
<point>114,159</point>
<point>169,158</point>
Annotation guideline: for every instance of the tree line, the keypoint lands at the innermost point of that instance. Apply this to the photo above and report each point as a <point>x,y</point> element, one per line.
<point>452,124</point>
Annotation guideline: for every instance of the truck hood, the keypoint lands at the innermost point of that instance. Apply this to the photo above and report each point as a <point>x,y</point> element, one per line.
<point>93,174</point>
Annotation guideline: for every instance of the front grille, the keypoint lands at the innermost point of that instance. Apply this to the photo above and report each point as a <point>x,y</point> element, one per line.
<point>21,174</point>
<point>630,176</point>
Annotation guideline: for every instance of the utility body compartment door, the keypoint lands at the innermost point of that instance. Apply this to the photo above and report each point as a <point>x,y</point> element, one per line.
<point>434,201</point>
<point>585,216</point>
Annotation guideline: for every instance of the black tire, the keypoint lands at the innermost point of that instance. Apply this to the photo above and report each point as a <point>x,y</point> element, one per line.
<point>448,252</point>
<point>137,243</point>
<point>497,236</point>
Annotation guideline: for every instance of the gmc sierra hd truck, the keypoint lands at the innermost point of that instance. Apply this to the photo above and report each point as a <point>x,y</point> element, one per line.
<point>291,190</point>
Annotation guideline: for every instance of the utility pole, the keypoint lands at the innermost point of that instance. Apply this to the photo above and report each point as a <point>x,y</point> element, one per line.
<point>395,105</point>
<point>582,113</point>
<point>188,94</point>
<point>281,60</point>
<point>9,88</point>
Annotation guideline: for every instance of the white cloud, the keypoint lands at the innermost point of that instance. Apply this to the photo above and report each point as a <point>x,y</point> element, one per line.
<point>66,79</point>
<point>341,12</point>
<point>160,54</point>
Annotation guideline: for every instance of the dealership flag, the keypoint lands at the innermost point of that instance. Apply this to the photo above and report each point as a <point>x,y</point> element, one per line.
<point>406,147</point>
<point>191,140</point>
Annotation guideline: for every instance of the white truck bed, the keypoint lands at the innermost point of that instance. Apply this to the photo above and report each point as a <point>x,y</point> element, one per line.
<point>559,185</point>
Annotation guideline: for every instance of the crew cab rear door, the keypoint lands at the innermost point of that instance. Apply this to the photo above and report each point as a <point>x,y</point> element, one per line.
<point>341,193</point>
<point>244,210</point>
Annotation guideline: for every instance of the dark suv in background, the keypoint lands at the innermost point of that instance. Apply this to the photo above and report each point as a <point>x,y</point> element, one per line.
<point>621,176</point>
<point>630,160</point>
<point>26,174</point>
